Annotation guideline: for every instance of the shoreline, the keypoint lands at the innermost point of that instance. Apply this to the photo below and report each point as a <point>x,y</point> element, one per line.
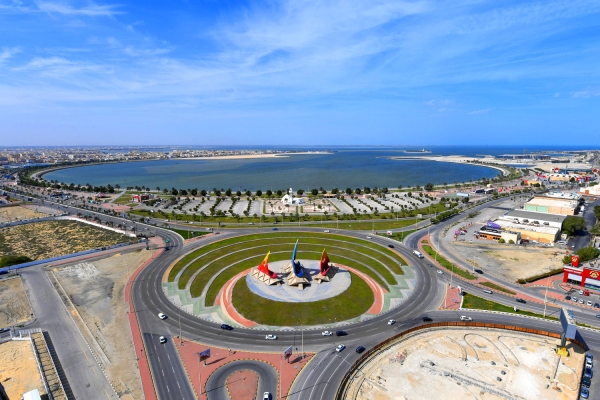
<point>250,156</point>
<point>462,160</point>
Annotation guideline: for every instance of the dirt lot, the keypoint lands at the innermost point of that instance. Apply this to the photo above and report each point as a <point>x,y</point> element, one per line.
<point>55,238</point>
<point>8,214</point>
<point>14,304</point>
<point>471,364</point>
<point>18,369</point>
<point>97,290</point>
<point>510,262</point>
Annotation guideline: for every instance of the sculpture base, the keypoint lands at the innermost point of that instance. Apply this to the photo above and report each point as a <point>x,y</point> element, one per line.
<point>266,279</point>
<point>328,275</point>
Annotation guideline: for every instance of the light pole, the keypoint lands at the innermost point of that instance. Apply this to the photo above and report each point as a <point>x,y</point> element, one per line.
<point>546,294</point>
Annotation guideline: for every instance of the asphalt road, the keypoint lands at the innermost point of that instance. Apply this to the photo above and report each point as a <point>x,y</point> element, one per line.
<point>267,379</point>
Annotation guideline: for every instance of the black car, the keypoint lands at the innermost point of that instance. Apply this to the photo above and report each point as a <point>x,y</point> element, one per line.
<point>391,246</point>
<point>586,382</point>
<point>479,271</point>
<point>360,349</point>
<point>519,300</point>
<point>567,297</point>
<point>2,330</point>
<point>426,319</point>
<point>226,327</point>
<point>341,333</point>
<point>596,305</point>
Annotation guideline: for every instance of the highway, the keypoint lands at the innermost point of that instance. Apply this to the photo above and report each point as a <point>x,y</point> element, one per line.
<point>322,376</point>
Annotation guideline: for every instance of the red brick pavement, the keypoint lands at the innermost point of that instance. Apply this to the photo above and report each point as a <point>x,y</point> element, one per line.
<point>549,281</point>
<point>138,344</point>
<point>197,371</point>
<point>452,299</point>
<point>242,385</point>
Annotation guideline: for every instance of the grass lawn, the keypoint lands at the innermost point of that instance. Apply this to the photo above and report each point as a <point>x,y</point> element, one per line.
<point>356,300</point>
<point>474,302</point>
<point>447,264</point>
<point>492,285</point>
<point>188,234</point>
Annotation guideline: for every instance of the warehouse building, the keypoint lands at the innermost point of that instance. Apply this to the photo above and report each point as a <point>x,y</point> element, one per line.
<point>552,205</point>
<point>541,234</point>
<point>534,218</point>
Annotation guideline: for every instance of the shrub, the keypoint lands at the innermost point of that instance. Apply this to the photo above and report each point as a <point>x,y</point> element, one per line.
<point>501,240</point>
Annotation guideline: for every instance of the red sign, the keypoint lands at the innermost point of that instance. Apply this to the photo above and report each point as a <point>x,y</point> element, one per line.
<point>575,261</point>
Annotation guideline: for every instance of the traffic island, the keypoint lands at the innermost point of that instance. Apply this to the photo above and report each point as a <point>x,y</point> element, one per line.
<point>200,371</point>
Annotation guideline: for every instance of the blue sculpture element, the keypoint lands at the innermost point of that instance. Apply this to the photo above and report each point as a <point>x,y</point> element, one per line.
<point>296,267</point>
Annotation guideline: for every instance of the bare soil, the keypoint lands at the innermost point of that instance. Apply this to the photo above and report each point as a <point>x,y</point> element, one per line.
<point>98,292</point>
<point>55,238</point>
<point>471,364</point>
<point>19,372</point>
<point>14,303</point>
<point>8,214</point>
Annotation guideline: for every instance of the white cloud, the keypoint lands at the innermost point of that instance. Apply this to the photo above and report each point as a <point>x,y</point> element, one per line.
<point>132,51</point>
<point>92,10</point>
<point>484,111</point>
<point>586,94</point>
<point>7,53</point>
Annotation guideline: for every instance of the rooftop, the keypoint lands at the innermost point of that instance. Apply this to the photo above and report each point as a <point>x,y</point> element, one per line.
<point>552,202</point>
<point>539,229</point>
<point>536,216</point>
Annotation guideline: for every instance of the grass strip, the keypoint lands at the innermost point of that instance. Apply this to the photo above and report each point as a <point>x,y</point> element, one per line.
<point>478,303</point>
<point>448,265</point>
<point>492,285</point>
<point>353,302</point>
<point>326,240</point>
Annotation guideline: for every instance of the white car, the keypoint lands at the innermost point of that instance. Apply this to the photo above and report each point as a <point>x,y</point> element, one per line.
<point>271,337</point>
<point>326,333</point>
<point>589,303</point>
<point>465,318</point>
<point>391,322</point>
<point>162,339</point>
<point>340,347</point>
<point>326,231</point>
<point>369,237</point>
<point>440,272</point>
<point>162,316</point>
<point>267,396</point>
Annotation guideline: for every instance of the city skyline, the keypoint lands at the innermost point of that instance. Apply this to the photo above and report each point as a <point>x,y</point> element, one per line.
<point>288,73</point>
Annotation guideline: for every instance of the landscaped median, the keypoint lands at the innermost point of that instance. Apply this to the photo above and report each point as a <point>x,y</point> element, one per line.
<point>447,264</point>
<point>478,303</point>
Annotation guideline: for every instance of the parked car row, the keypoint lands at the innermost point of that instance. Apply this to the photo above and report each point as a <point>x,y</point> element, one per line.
<point>586,379</point>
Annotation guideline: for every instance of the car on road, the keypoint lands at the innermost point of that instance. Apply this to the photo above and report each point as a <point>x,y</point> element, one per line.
<point>465,318</point>
<point>391,246</point>
<point>488,291</point>
<point>267,396</point>
<point>226,327</point>
<point>369,237</point>
<point>580,301</point>
<point>426,319</point>
<point>585,393</point>
<point>574,299</point>
<point>341,333</point>
<point>275,229</point>
<point>162,316</point>
<point>2,330</point>
<point>326,231</point>
<point>589,364</point>
<point>271,337</point>
<point>326,333</point>
<point>567,297</point>
<point>581,292</point>
<point>588,373</point>
<point>596,305</point>
<point>520,300</point>
<point>162,339</point>
<point>479,271</point>
<point>561,242</point>
<point>360,349</point>
<point>589,357</point>
<point>391,322</point>
<point>340,347</point>
<point>589,303</point>
<point>439,271</point>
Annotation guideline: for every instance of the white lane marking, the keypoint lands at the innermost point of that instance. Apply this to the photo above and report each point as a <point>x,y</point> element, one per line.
<point>163,372</point>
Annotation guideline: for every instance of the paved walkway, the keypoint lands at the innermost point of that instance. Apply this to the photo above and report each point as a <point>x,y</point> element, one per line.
<point>452,299</point>
<point>242,385</point>
<point>198,372</point>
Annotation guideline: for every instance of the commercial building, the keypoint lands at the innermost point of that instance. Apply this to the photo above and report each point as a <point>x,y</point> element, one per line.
<point>552,205</point>
<point>534,218</point>
<point>591,191</point>
<point>587,276</point>
<point>494,234</point>
<point>138,198</point>
<point>541,234</point>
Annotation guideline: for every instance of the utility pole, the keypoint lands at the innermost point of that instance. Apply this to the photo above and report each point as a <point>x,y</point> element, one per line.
<point>180,327</point>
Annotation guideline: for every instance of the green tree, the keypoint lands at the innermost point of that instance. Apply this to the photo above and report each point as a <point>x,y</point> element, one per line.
<point>357,191</point>
<point>587,253</point>
<point>429,187</point>
<point>573,224</point>
<point>314,192</point>
<point>259,193</point>
<point>348,191</point>
<point>300,192</point>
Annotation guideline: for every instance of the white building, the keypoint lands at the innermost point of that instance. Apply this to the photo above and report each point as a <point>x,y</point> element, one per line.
<point>290,200</point>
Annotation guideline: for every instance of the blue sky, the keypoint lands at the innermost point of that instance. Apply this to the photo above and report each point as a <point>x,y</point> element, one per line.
<point>299,72</point>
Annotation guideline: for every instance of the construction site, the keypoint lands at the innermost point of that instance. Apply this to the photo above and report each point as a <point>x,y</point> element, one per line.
<point>477,363</point>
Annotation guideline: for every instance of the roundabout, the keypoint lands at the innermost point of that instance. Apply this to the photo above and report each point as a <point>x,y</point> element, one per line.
<point>219,282</point>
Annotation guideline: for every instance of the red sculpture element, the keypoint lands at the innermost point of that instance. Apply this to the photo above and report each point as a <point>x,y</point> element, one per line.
<point>264,267</point>
<point>575,261</point>
<point>324,263</point>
